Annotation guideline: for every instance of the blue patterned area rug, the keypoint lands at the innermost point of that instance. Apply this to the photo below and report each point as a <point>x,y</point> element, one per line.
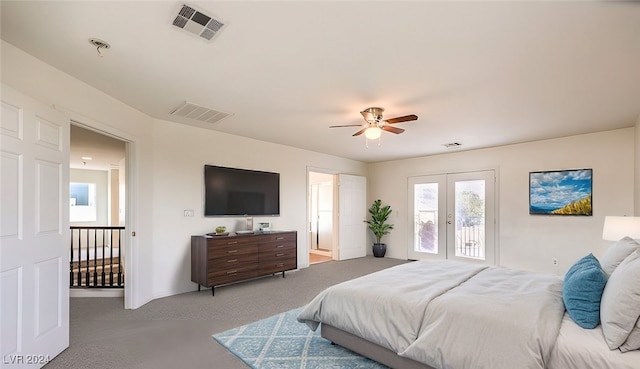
<point>281,342</point>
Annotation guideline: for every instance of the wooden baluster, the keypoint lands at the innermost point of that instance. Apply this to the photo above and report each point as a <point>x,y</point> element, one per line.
<point>71,261</point>
<point>120,278</point>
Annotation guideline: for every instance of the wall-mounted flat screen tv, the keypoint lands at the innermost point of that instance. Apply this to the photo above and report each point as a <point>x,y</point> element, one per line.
<point>240,192</point>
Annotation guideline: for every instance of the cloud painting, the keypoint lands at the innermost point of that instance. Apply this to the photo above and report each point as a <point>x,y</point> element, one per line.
<point>563,192</point>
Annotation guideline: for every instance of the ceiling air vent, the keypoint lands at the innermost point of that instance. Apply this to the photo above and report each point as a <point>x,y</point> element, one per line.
<point>452,145</point>
<point>196,22</point>
<point>199,113</point>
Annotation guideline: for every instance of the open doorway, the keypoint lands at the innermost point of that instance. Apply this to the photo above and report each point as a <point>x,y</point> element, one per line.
<point>97,179</point>
<point>321,217</point>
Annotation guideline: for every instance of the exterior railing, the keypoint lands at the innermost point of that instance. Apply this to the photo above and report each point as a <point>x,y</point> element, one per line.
<point>96,257</point>
<point>470,235</point>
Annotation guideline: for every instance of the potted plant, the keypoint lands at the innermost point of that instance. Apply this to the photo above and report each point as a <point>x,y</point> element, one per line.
<point>379,226</point>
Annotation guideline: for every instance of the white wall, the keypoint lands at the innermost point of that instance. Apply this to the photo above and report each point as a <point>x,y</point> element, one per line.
<point>180,153</point>
<point>526,241</point>
<point>636,190</point>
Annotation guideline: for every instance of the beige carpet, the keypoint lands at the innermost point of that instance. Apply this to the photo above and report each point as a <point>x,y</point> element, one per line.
<point>175,332</point>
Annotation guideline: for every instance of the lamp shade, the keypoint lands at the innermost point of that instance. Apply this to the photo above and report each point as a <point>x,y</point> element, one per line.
<point>616,228</point>
<point>373,132</point>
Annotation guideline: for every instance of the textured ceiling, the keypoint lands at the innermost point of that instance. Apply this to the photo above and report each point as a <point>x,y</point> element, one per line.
<point>478,73</point>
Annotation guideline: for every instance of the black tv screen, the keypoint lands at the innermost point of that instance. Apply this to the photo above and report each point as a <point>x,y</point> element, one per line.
<point>239,192</point>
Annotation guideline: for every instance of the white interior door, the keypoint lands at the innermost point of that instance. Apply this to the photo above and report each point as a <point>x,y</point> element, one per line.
<point>453,217</point>
<point>34,229</point>
<point>352,211</point>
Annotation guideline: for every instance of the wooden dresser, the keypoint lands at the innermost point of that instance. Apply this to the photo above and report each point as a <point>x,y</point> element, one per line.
<point>217,260</point>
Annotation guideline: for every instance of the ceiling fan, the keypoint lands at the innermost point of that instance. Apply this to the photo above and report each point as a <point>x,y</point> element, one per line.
<point>374,124</point>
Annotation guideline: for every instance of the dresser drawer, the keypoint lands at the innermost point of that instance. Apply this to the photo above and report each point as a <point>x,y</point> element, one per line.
<point>279,237</point>
<point>231,261</point>
<point>277,265</point>
<point>222,241</point>
<point>240,272</point>
<point>231,250</point>
<point>277,255</point>
<point>280,246</point>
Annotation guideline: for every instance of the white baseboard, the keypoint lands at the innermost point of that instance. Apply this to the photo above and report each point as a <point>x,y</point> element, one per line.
<point>96,292</point>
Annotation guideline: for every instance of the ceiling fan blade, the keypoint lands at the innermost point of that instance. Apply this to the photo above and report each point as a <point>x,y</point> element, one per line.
<point>391,129</point>
<point>406,118</point>
<point>360,132</point>
<point>346,125</point>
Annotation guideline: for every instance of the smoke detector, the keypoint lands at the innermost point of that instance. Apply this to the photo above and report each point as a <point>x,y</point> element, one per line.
<point>197,22</point>
<point>99,44</point>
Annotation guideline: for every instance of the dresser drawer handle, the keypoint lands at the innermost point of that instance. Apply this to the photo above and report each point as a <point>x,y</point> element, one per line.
<point>232,272</point>
<point>281,264</point>
<point>232,261</point>
<point>279,254</point>
<point>232,251</point>
<point>279,246</point>
<point>279,238</point>
<point>232,243</point>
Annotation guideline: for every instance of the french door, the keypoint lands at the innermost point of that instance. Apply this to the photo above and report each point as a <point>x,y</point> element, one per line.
<point>453,217</point>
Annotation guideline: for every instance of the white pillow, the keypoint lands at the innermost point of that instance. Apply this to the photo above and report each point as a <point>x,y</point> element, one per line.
<point>620,307</point>
<point>616,253</point>
<point>633,342</point>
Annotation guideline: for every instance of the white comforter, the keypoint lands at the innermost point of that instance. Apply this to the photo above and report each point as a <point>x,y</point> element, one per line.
<point>386,307</point>
<point>448,314</point>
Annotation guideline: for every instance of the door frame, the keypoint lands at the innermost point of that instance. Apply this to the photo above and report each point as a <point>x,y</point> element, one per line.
<point>132,299</point>
<point>442,217</point>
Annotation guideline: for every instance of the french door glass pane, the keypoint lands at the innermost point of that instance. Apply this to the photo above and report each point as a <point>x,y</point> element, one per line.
<point>470,219</point>
<point>426,217</point>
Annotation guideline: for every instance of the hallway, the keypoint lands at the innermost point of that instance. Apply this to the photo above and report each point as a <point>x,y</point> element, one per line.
<point>315,258</point>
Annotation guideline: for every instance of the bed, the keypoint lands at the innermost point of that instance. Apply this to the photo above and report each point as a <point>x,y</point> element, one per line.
<point>446,314</point>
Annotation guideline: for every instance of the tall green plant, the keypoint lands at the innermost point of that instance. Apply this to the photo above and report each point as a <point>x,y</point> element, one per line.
<point>378,222</point>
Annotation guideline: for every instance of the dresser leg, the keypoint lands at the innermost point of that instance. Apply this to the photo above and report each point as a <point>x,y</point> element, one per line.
<point>283,274</point>
<point>198,287</point>
<point>213,292</point>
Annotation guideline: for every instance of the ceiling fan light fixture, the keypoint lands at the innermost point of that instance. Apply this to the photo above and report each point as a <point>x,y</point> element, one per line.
<point>373,133</point>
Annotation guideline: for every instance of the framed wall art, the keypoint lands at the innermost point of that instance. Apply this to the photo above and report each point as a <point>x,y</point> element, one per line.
<point>561,192</point>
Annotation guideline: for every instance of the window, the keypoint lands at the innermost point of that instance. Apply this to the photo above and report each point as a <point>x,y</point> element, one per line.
<point>82,201</point>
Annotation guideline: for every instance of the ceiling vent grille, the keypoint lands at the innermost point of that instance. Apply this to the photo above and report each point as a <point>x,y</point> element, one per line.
<point>199,113</point>
<point>197,23</point>
<point>452,145</point>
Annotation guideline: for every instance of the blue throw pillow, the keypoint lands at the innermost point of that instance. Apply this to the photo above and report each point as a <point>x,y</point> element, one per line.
<point>582,291</point>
